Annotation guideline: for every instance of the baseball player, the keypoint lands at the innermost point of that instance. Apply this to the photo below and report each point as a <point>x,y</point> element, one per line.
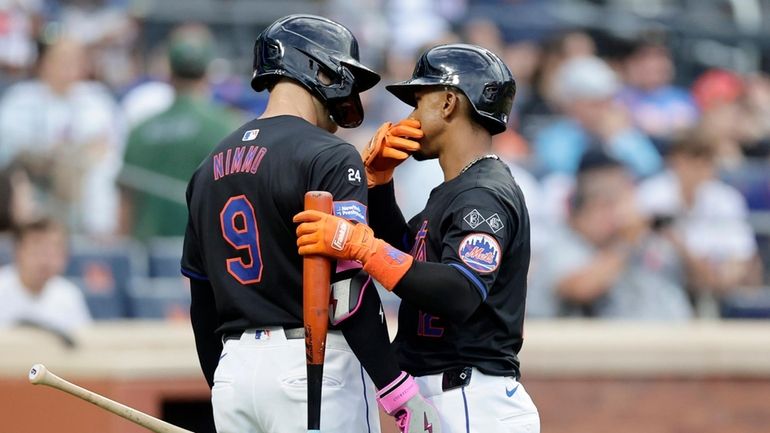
<point>246,277</point>
<point>463,286</point>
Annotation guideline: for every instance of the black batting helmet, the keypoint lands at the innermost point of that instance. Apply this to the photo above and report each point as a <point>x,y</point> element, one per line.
<point>302,46</point>
<point>477,72</point>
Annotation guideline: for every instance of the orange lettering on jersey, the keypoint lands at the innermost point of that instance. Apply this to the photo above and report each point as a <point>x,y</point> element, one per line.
<point>234,161</point>
<point>418,249</point>
<point>235,166</point>
<point>219,170</point>
<point>246,166</point>
<point>227,161</point>
<point>257,160</point>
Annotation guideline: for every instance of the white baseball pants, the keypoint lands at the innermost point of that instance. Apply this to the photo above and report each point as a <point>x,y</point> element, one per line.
<point>260,386</point>
<point>487,404</point>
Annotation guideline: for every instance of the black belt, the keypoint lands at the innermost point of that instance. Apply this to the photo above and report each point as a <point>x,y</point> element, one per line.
<point>290,333</point>
<point>456,378</point>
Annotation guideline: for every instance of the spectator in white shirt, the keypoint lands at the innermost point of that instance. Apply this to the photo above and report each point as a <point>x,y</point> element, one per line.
<point>709,218</point>
<point>67,133</point>
<point>607,262</point>
<point>32,290</point>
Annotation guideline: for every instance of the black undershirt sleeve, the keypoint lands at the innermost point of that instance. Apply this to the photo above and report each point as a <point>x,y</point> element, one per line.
<point>385,217</point>
<point>440,289</point>
<point>203,315</point>
<point>367,336</point>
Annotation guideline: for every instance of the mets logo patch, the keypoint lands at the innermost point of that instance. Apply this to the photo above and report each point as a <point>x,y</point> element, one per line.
<point>480,252</point>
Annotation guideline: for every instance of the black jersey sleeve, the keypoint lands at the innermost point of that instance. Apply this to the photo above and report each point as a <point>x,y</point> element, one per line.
<point>192,260</point>
<point>476,229</point>
<point>385,217</point>
<point>339,170</point>
<point>439,289</point>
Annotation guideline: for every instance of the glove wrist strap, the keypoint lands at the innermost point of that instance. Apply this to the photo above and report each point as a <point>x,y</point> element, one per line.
<point>387,264</point>
<point>394,396</point>
<point>376,178</point>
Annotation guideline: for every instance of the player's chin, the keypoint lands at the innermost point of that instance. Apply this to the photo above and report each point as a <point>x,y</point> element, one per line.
<point>420,155</point>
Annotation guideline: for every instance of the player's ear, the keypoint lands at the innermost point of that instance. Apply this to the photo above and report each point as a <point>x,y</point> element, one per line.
<point>451,104</point>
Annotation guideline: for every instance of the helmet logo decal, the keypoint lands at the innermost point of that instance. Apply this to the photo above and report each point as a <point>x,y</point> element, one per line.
<point>490,92</point>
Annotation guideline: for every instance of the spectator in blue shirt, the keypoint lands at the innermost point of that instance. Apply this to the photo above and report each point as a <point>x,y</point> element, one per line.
<point>586,88</point>
<point>657,107</point>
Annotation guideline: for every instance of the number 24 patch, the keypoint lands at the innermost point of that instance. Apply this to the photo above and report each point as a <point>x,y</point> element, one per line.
<point>353,175</point>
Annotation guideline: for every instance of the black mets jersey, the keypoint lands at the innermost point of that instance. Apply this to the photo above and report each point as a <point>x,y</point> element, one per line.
<point>478,224</point>
<point>241,200</point>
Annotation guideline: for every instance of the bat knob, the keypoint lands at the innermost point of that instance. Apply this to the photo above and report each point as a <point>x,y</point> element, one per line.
<point>37,373</point>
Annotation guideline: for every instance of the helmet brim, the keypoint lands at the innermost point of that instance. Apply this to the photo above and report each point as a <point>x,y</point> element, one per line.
<point>405,90</point>
<point>365,77</point>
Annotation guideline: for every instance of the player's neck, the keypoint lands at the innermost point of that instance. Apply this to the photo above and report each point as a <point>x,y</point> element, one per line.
<point>461,148</point>
<point>290,99</point>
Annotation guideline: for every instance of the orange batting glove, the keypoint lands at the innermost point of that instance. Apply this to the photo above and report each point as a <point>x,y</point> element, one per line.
<point>331,236</point>
<point>390,146</point>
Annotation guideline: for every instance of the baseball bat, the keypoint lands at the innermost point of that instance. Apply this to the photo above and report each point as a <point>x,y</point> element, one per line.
<point>39,375</point>
<point>316,275</point>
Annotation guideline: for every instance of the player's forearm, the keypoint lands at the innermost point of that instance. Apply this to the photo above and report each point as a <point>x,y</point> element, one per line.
<point>385,217</point>
<point>440,289</point>
<point>367,334</point>
<point>203,315</point>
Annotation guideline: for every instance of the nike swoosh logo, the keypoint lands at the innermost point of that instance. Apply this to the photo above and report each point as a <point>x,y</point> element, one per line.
<point>510,392</point>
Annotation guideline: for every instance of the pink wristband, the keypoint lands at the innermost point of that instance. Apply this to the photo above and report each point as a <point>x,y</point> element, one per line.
<point>394,396</point>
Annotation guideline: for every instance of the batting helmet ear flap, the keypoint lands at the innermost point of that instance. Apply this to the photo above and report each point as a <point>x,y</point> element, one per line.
<point>338,93</point>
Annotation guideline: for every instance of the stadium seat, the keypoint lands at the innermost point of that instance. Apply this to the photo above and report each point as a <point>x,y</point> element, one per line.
<point>752,179</point>
<point>6,250</point>
<point>164,255</point>
<point>763,245</point>
<point>105,273</point>
<point>166,298</point>
<point>753,304</point>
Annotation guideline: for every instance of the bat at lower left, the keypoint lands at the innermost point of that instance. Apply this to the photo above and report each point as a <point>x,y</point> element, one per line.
<point>39,375</point>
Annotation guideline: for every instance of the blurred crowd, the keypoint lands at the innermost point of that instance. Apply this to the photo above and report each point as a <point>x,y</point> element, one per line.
<point>640,184</point>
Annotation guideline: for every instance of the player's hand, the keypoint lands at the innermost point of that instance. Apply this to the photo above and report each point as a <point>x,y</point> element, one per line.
<point>331,236</point>
<point>390,146</point>
<point>403,401</point>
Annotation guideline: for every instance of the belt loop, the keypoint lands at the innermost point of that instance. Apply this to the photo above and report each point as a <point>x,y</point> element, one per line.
<point>294,333</point>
